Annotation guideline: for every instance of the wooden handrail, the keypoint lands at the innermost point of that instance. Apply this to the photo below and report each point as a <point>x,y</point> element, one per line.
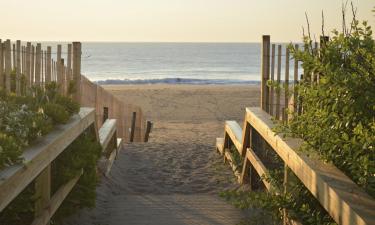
<point>36,158</point>
<point>345,201</point>
<point>338,194</point>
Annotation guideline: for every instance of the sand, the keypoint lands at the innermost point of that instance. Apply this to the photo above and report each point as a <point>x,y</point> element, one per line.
<point>176,177</point>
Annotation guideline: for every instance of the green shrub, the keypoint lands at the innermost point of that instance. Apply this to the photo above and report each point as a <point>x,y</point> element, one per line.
<point>56,112</point>
<point>338,120</point>
<point>83,153</point>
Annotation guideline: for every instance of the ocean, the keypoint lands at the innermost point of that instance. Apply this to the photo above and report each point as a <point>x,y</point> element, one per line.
<point>192,63</point>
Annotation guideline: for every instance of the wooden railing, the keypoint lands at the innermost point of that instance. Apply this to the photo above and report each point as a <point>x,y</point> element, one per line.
<point>38,158</point>
<point>344,201</point>
<point>340,196</point>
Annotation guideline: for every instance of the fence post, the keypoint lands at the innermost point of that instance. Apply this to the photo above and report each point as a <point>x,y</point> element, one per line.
<point>134,117</point>
<point>42,191</point>
<point>18,66</point>
<point>77,70</point>
<point>148,131</point>
<point>271,111</point>
<point>295,94</point>
<point>1,65</point>
<point>278,82</point>
<point>265,72</point>
<point>105,114</point>
<point>28,64</point>
<point>286,85</point>
<point>69,64</point>
<point>8,64</point>
<point>38,53</point>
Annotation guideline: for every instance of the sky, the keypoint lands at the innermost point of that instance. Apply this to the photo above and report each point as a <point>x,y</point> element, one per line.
<point>170,20</point>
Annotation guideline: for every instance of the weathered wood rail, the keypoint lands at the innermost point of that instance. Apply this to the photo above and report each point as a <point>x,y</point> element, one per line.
<point>38,158</point>
<point>343,200</point>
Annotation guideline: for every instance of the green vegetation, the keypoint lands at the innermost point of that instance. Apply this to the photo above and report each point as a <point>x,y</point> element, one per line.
<point>337,123</point>
<point>25,118</point>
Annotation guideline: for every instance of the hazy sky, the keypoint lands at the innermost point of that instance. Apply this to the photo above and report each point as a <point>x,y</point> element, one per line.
<point>169,20</point>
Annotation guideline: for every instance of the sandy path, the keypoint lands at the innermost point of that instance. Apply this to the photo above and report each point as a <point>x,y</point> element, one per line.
<point>175,178</point>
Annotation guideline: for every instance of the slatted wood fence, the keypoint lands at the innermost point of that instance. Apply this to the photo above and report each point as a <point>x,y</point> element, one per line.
<point>344,201</point>
<point>27,65</point>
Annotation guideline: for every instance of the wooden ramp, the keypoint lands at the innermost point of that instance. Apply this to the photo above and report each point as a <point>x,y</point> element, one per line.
<point>165,182</point>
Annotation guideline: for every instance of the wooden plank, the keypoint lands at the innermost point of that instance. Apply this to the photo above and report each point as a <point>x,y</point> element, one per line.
<point>42,191</point>
<point>120,142</point>
<point>49,66</point>
<point>271,111</point>
<point>28,64</point>
<point>220,145</point>
<point>279,50</point>
<point>38,61</point>
<point>286,85</point>
<point>110,161</point>
<point>266,40</point>
<point>234,132</point>
<point>132,131</point>
<point>229,159</point>
<point>258,166</point>
<point>32,72</point>
<point>56,200</point>
<point>77,70</point>
<point>69,63</point>
<point>106,132</point>
<point>2,85</point>
<point>8,64</point>
<point>341,197</point>
<point>15,178</point>
<point>295,94</point>
<point>18,67</point>
<point>148,131</point>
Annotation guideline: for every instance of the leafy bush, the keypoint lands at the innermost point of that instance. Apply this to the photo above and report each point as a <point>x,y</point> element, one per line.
<point>83,153</point>
<point>337,123</point>
<point>338,119</point>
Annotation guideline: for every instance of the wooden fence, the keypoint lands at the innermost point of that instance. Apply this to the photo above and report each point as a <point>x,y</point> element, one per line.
<point>109,119</point>
<point>25,66</point>
<point>344,201</point>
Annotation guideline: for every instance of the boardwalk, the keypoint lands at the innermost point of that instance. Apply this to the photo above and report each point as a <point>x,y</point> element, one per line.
<point>175,179</point>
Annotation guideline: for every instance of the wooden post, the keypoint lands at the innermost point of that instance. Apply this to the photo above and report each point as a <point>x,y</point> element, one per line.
<point>38,55</point>
<point>148,130</point>
<point>1,65</point>
<point>42,191</point>
<point>32,72</point>
<point>8,64</point>
<point>48,67</point>
<point>286,187</point>
<point>18,67</point>
<point>77,70</point>
<point>133,127</point>
<point>272,80</point>
<point>295,94</point>
<point>105,114</point>
<point>28,64</point>
<point>286,85</point>
<point>266,40</point>
<point>14,56</point>
<point>58,67</point>
<point>278,82</point>
<point>69,63</point>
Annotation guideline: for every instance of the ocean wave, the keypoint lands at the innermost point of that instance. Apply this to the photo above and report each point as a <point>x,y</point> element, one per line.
<point>176,81</point>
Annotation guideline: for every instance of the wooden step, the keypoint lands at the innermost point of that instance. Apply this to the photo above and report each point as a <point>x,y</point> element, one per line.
<point>220,145</point>
<point>234,131</point>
